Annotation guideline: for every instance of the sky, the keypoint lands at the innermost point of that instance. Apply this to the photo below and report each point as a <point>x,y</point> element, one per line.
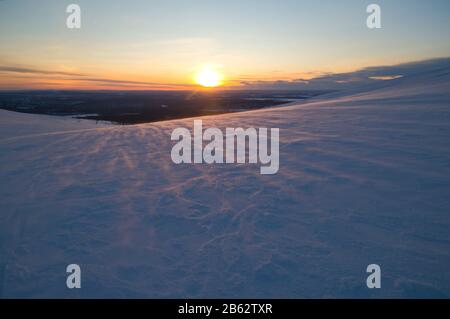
<point>146,44</point>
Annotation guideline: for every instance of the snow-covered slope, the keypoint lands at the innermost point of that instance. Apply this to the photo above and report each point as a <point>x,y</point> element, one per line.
<point>364,178</point>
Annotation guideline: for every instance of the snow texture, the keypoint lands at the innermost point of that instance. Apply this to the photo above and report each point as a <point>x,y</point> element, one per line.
<point>364,178</point>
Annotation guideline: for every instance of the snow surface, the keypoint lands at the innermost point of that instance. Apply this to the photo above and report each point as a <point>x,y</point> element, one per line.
<point>364,178</point>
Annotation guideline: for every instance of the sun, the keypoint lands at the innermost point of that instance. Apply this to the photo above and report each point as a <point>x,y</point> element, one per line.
<point>208,78</point>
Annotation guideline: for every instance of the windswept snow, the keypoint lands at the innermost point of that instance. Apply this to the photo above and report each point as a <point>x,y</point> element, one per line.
<point>364,178</point>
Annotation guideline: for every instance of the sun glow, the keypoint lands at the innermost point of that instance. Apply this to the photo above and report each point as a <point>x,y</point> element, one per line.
<point>208,78</point>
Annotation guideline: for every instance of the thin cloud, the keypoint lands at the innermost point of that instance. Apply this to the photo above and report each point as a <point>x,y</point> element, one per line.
<point>81,77</point>
<point>14,69</point>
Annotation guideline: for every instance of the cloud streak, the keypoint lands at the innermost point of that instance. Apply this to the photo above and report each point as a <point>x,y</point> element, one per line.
<point>81,77</point>
<point>14,69</point>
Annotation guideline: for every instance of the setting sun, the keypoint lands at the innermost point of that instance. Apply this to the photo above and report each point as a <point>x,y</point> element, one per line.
<point>208,78</point>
